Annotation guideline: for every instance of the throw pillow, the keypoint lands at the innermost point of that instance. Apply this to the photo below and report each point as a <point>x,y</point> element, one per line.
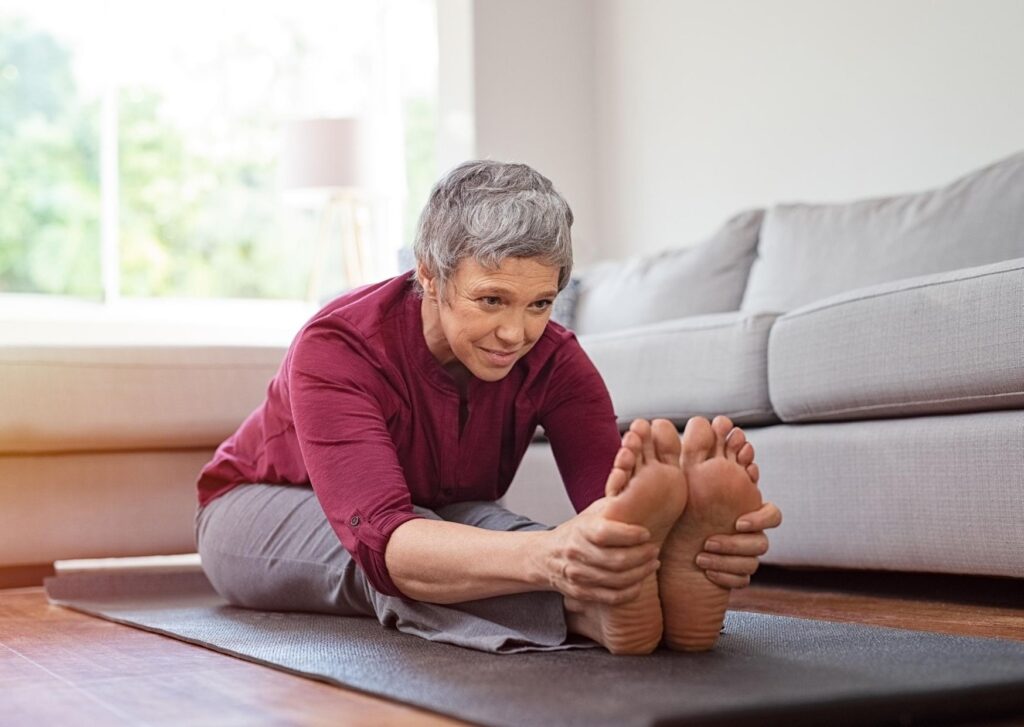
<point>706,278</point>
<point>812,251</point>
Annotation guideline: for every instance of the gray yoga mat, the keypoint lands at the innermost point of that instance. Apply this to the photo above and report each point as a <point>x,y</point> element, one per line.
<point>765,669</point>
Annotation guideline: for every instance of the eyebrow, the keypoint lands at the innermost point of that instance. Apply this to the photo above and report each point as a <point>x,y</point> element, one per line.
<point>495,290</point>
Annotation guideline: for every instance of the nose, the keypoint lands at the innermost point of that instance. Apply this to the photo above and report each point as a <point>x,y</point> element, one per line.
<point>511,330</point>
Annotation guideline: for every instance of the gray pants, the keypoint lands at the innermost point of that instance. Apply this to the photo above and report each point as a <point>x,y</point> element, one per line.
<point>271,547</point>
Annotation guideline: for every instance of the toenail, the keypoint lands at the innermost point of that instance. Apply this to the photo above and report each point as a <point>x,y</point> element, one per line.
<point>703,561</point>
<point>713,546</point>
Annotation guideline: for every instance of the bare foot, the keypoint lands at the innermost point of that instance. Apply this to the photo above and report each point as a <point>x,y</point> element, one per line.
<point>645,487</point>
<point>722,483</point>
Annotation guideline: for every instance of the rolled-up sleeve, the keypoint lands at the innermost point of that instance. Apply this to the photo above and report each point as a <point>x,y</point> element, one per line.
<point>579,420</point>
<point>338,398</point>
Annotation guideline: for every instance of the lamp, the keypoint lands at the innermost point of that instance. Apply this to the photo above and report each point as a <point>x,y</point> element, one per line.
<point>326,158</point>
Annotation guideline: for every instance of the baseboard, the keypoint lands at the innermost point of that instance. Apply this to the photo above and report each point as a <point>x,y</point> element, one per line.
<point>22,576</point>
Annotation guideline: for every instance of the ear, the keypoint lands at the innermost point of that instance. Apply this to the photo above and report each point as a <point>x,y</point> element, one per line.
<point>427,280</point>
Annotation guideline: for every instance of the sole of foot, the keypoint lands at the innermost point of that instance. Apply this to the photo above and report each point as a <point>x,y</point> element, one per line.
<point>645,487</point>
<point>722,485</point>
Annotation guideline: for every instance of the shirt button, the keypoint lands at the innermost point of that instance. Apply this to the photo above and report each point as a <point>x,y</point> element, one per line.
<point>354,520</point>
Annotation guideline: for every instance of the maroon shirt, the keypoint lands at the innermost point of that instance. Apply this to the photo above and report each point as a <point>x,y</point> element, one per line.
<point>363,411</point>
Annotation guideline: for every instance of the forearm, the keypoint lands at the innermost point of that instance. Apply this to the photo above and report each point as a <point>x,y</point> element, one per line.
<point>444,562</point>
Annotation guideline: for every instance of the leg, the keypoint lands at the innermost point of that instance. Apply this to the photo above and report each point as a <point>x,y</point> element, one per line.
<point>270,547</point>
<point>286,557</point>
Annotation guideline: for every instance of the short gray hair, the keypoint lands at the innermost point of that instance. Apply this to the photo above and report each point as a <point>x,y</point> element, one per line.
<point>490,211</point>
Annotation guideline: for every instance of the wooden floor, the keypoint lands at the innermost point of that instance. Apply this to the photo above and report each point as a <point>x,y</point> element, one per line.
<point>61,667</point>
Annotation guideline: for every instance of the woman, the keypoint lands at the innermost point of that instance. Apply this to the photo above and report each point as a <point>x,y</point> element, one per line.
<point>365,482</point>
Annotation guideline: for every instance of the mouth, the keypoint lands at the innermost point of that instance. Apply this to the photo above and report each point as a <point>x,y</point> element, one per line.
<point>500,358</point>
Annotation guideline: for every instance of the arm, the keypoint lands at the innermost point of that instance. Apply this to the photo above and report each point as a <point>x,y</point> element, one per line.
<point>443,562</point>
<point>338,408</point>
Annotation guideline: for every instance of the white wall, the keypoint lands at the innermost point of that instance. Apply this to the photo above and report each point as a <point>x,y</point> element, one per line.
<point>534,97</point>
<point>660,118</point>
<point>455,104</point>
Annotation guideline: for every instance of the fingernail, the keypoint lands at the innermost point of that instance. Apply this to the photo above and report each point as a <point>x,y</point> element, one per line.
<point>743,525</point>
<point>703,561</point>
<point>712,546</point>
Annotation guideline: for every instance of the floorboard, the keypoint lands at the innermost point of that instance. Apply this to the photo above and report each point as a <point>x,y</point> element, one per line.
<point>62,667</point>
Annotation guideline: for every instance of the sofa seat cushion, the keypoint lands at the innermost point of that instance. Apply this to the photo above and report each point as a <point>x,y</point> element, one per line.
<point>936,344</point>
<point>71,398</point>
<point>811,251</point>
<point>701,365</point>
<point>934,493</point>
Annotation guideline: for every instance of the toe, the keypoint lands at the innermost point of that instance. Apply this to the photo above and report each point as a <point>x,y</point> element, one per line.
<point>746,454</point>
<point>617,481</point>
<point>634,443</point>
<point>698,439</point>
<point>666,441</point>
<point>754,472</point>
<point>642,428</point>
<point>721,425</point>
<point>625,460</point>
<point>734,442</point>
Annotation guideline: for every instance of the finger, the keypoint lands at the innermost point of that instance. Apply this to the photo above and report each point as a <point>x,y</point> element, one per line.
<point>768,516</point>
<point>755,544</point>
<point>612,533</point>
<point>740,565</point>
<point>617,560</point>
<point>611,560</point>
<point>727,580</point>
<point>611,580</point>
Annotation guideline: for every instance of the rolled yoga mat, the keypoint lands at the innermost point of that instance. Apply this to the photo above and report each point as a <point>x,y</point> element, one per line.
<point>765,669</point>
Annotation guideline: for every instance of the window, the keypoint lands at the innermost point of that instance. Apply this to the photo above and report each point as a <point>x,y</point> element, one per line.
<point>139,141</point>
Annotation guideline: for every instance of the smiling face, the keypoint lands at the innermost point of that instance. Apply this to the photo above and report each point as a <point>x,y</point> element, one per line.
<point>488,319</point>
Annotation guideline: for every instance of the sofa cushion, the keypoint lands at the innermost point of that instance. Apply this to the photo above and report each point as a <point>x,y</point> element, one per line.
<point>563,311</point>
<point>701,365</point>
<point>808,252</point>
<point>707,278</point>
<point>71,398</point>
<point>934,344</point>
<point>932,493</point>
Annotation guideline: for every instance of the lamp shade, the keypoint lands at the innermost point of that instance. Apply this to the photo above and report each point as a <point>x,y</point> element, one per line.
<point>327,153</point>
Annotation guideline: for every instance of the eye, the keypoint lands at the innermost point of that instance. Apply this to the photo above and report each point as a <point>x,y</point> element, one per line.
<point>490,300</point>
<point>544,304</point>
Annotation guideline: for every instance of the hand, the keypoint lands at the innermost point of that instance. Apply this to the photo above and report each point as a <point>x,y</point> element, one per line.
<point>730,559</point>
<point>592,558</point>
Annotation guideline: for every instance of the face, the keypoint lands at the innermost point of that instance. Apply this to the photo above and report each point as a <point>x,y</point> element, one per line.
<point>488,319</point>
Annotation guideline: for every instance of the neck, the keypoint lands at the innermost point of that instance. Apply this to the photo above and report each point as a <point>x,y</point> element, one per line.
<point>437,344</point>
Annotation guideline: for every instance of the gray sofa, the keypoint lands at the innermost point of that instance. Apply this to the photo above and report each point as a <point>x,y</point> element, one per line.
<point>873,351</point>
